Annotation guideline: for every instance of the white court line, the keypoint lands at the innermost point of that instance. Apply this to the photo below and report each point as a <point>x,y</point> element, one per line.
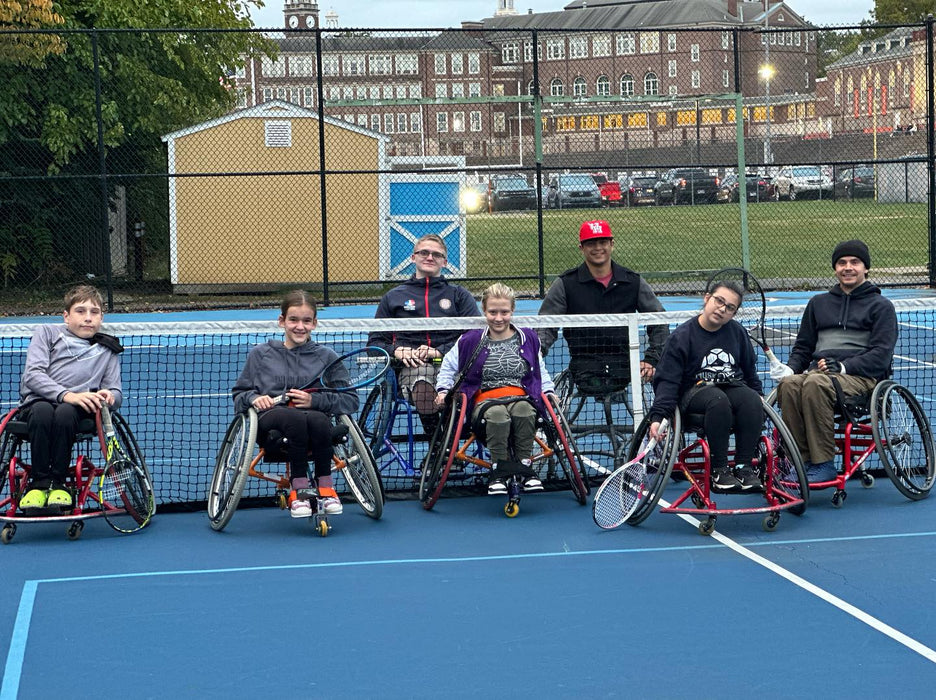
<point>822,594</point>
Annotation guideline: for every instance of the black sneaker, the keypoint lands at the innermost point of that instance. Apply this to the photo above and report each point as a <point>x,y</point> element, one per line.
<point>724,480</point>
<point>749,480</point>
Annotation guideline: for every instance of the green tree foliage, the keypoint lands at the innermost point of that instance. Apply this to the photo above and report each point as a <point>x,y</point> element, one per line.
<point>152,81</point>
<point>902,11</point>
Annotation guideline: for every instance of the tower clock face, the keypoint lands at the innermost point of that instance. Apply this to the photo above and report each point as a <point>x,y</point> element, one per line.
<point>310,22</point>
<point>293,21</point>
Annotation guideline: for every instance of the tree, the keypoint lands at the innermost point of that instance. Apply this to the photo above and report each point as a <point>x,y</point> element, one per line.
<point>902,11</point>
<point>174,71</point>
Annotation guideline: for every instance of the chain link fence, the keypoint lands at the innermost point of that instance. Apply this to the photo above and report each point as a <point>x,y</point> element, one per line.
<point>199,168</point>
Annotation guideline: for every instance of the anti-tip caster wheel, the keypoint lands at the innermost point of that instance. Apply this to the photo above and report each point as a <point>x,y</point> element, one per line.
<point>867,480</point>
<point>838,498</point>
<point>74,530</point>
<point>282,501</point>
<point>511,510</point>
<point>769,523</point>
<point>6,534</point>
<point>322,528</point>
<point>707,527</point>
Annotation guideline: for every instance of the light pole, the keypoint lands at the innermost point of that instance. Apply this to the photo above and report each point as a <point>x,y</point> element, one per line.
<point>767,71</point>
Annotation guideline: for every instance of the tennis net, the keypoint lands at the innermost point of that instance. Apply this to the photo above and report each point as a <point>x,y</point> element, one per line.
<point>177,380</point>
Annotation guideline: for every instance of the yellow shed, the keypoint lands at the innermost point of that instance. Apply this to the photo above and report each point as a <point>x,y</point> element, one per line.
<point>245,205</point>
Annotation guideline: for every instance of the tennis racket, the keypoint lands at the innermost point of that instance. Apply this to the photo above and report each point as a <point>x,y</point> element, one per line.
<point>349,372</point>
<point>752,313</point>
<point>126,493</point>
<point>621,494</point>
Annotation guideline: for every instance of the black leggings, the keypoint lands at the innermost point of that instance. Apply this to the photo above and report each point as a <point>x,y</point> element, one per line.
<point>52,428</point>
<point>728,408</point>
<point>308,434</point>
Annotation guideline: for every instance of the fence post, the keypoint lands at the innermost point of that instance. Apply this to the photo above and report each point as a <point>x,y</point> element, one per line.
<point>322,194</point>
<point>102,172</point>
<point>742,165</point>
<point>930,165</point>
<point>139,229</point>
<point>538,154</point>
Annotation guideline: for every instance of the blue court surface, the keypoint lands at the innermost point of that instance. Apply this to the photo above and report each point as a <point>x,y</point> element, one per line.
<point>462,602</point>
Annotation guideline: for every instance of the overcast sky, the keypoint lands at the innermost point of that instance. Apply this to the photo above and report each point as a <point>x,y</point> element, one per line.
<point>450,13</point>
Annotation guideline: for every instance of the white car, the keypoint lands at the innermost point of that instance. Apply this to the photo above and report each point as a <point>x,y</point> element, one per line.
<point>799,181</point>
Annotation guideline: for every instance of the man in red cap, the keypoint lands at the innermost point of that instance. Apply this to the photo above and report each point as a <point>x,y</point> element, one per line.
<point>600,362</point>
<point>848,334</point>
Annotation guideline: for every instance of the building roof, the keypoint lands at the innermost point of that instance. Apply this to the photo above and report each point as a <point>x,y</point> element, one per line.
<point>895,44</point>
<point>385,41</point>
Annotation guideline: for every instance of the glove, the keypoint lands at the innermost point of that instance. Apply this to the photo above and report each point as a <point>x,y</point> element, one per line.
<point>779,370</point>
<point>834,366</point>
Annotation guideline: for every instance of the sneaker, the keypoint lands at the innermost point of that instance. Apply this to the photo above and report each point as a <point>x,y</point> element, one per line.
<point>34,498</point>
<point>329,502</point>
<point>300,508</point>
<point>724,480</point>
<point>497,488</point>
<point>532,484</point>
<point>749,479</point>
<point>59,498</point>
<point>818,473</point>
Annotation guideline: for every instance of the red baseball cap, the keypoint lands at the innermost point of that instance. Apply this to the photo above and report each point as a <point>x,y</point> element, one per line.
<point>594,229</point>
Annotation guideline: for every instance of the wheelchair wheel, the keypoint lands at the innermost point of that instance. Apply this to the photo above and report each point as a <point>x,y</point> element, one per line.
<point>232,466</point>
<point>559,436</point>
<point>442,448</point>
<point>565,392</point>
<point>374,414</point>
<point>904,439</point>
<point>359,470</point>
<point>658,463</point>
<point>787,474</point>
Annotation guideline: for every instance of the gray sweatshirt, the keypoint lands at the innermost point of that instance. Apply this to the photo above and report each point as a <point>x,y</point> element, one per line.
<point>58,361</point>
<point>272,369</point>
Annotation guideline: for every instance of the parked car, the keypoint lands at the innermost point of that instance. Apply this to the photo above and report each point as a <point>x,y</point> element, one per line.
<point>639,190</point>
<point>573,190</point>
<point>511,192</point>
<point>474,198</point>
<point>609,190</point>
<point>686,186</point>
<point>853,183</point>
<point>799,181</point>
<point>759,188</point>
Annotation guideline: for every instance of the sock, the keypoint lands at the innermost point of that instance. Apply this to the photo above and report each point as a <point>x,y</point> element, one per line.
<point>325,482</point>
<point>301,482</point>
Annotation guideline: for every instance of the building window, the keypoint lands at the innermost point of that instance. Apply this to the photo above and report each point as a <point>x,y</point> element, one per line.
<point>374,92</point>
<point>603,86</point>
<point>578,47</point>
<point>509,52</point>
<point>696,79</point>
<point>498,89</point>
<point>240,72</point>
<point>407,64</point>
<point>441,90</point>
<point>308,96</point>
<point>388,123</point>
<point>671,42</point>
<point>401,92</point>
<point>347,92</point>
<point>362,120</point>
<point>458,121</point>
<point>556,88</point>
<point>673,90</point>
<point>401,123</point>
<point>415,92</point>
<point>530,86</point>
<point>694,53</point>
<point>725,79</point>
<point>651,84</point>
<point>579,87</point>
<point>528,51</point>
<point>352,65</point>
<point>649,42</point>
<point>906,83</point>
<point>302,65</point>
<point>474,63</point>
<point>500,121</point>
<point>334,93</point>
<point>627,85</point>
<point>806,79</point>
<point>458,89</point>
<point>672,68</point>
<point>798,38</point>
<point>273,69</point>
<point>474,89</point>
<point>601,45</point>
<point>626,44</point>
<point>440,64</point>
<point>458,63</point>
<point>375,122</point>
<point>329,65</point>
<point>388,92</point>
<point>267,94</point>
<point>555,49</point>
<point>442,122</point>
<point>380,64</point>
<point>475,121</point>
<point>726,40</point>
<point>361,93</point>
<point>415,124</point>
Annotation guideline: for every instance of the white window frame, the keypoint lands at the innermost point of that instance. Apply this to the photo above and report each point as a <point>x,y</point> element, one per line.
<point>458,90</point>
<point>474,89</point>
<point>625,44</point>
<point>458,122</point>
<point>353,64</point>
<point>474,119</point>
<point>623,85</point>
<point>380,64</point>
<point>579,87</point>
<point>331,65</point>
<point>651,83</point>
<point>474,63</point>
<point>671,42</point>
<point>439,63</point>
<point>649,42</point>
<point>603,86</point>
<point>407,64</point>
<point>402,123</point>
<point>556,88</point>
<point>696,79</point>
<point>578,47</point>
<point>415,125</point>
<point>457,61</point>
<point>555,49</point>
<point>509,52</point>
<point>441,122</point>
<point>672,68</point>
<point>441,91</point>
<point>601,45</point>
<point>500,122</point>
<point>273,68</point>
<point>694,53</point>
<point>388,123</point>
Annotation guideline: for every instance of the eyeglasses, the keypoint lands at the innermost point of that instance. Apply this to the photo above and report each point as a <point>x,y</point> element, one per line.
<point>720,301</point>
<point>429,254</point>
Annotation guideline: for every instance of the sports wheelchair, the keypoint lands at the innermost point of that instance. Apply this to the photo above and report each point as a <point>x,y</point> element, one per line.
<point>240,456</point>
<point>450,452</point>
<point>889,422</point>
<point>684,454</point>
<point>601,444</point>
<point>84,482</point>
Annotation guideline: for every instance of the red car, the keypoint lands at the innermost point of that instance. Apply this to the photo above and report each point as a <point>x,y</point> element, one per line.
<point>610,191</point>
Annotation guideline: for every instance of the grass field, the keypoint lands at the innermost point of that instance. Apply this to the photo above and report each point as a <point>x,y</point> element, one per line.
<point>789,240</point>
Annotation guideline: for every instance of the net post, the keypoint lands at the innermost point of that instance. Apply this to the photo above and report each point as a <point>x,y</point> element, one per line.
<point>633,341</point>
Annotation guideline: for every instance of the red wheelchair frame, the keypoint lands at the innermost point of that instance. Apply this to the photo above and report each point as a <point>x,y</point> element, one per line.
<point>446,449</point>
<point>83,480</point>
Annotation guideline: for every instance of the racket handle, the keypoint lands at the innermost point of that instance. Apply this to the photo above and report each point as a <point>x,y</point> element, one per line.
<point>778,370</point>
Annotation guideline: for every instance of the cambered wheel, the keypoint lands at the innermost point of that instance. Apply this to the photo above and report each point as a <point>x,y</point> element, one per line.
<point>904,439</point>
<point>559,437</point>
<point>375,414</point>
<point>658,463</point>
<point>232,466</point>
<point>784,473</point>
<point>359,470</point>
<point>442,447</point>
<point>74,530</point>
<point>6,534</point>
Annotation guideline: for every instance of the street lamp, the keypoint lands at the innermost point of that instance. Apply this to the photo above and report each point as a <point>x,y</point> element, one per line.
<point>766,72</point>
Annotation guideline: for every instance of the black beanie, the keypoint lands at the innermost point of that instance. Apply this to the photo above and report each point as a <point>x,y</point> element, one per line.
<point>856,248</point>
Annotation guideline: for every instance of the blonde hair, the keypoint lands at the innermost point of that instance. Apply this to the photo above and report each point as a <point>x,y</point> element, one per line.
<point>499,290</point>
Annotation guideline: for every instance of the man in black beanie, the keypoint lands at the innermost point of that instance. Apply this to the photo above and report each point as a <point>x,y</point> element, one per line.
<point>848,333</point>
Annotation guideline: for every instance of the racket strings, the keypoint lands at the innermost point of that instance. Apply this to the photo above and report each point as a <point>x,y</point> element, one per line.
<point>125,487</point>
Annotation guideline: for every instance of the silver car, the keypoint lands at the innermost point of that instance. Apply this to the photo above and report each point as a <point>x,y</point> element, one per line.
<point>573,190</point>
<point>799,181</point>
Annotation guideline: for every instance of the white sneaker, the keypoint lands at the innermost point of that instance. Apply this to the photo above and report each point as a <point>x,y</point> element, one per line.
<point>532,484</point>
<point>331,505</point>
<point>300,509</point>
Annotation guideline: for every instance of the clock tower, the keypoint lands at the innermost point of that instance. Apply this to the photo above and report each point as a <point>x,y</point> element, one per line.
<point>301,14</point>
